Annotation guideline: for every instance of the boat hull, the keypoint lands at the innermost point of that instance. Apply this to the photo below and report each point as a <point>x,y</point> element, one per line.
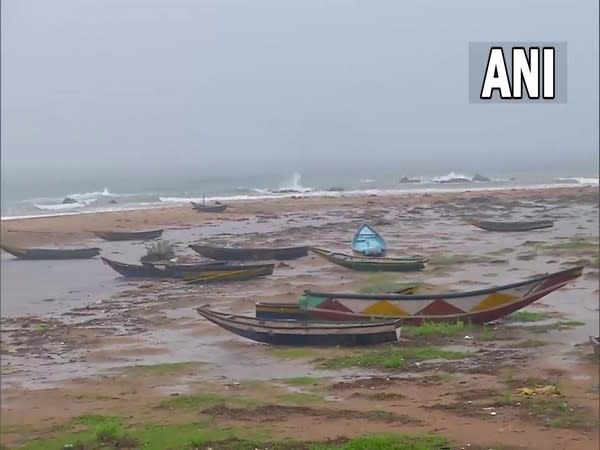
<point>512,226</point>
<point>173,270</point>
<point>208,208</point>
<point>294,333</point>
<point>363,264</point>
<point>476,306</point>
<point>224,274</point>
<point>249,254</point>
<point>129,235</point>
<point>52,254</point>
<point>368,242</point>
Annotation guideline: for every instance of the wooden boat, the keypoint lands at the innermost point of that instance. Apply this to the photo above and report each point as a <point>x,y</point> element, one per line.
<point>212,208</point>
<point>223,273</point>
<point>595,341</point>
<point>295,333</point>
<point>249,254</point>
<point>478,306</point>
<point>163,270</point>
<point>276,310</point>
<point>51,253</point>
<point>371,264</point>
<point>128,235</point>
<point>368,242</point>
<point>512,226</point>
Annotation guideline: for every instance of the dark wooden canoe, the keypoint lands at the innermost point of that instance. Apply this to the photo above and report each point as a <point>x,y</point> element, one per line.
<point>368,242</point>
<point>52,253</point>
<point>295,333</point>
<point>249,254</point>
<point>224,273</point>
<point>372,264</point>
<point>478,306</point>
<point>213,208</point>
<point>129,235</point>
<point>159,270</point>
<point>512,226</point>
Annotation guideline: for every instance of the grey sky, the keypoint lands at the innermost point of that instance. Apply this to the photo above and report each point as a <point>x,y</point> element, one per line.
<point>291,84</point>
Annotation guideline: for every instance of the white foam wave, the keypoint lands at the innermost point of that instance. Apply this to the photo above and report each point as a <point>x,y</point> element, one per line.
<point>578,180</point>
<point>366,180</point>
<point>451,176</point>
<point>293,184</point>
<point>60,206</point>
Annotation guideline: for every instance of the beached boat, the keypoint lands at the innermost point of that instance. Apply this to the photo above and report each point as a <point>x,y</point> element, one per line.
<point>295,333</point>
<point>129,235</point>
<point>372,264</point>
<point>478,306</point>
<point>249,254</point>
<point>489,225</point>
<point>240,273</point>
<point>51,253</point>
<point>212,208</point>
<point>277,310</point>
<point>595,341</point>
<point>164,269</point>
<point>368,242</point>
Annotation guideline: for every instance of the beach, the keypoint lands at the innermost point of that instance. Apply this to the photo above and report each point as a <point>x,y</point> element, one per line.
<point>137,355</point>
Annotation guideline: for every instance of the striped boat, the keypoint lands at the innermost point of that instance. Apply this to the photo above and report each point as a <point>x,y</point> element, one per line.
<point>295,333</point>
<point>478,306</point>
<point>276,310</point>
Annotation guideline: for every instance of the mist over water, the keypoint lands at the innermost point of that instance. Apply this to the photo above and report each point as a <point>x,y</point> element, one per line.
<point>223,98</point>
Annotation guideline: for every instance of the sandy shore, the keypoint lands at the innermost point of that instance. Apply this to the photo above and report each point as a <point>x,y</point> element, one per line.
<point>135,353</point>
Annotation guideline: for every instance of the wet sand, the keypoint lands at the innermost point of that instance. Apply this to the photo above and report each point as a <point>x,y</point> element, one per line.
<point>74,336</point>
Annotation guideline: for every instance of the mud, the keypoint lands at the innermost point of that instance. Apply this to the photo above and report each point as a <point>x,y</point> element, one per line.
<point>76,336</point>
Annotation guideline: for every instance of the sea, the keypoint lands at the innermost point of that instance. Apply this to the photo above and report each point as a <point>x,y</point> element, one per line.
<point>63,195</point>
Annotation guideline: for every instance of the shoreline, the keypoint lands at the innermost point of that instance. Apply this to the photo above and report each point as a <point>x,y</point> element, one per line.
<point>172,202</point>
<point>73,227</point>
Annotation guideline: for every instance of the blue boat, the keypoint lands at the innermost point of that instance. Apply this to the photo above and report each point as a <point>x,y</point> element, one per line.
<point>368,242</point>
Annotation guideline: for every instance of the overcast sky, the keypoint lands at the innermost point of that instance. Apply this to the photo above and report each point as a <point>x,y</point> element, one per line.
<point>291,84</point>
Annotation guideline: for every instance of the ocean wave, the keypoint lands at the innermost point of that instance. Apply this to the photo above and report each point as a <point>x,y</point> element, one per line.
<point>59,206</point>
<point>366,180</point>
<point>578,180</point>
<point>293,185</point>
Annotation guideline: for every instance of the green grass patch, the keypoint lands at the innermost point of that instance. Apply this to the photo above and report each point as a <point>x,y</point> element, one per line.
<point>293,352</point>
<point>487,334</point>
<point>575,244</point>
<point>530,343</point>
<point>570,323</point>
<point>435,329</point>
<point>301,381</point>
<point>104,432</point>
<point>557,413</point>
<point>388,442</point>
<point>299,398</point>
<point>391,358</point>
<point>527,316</point>
<point>204,400</point>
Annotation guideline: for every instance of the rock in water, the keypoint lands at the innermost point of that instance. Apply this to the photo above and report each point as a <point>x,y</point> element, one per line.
<point>478,177</point>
